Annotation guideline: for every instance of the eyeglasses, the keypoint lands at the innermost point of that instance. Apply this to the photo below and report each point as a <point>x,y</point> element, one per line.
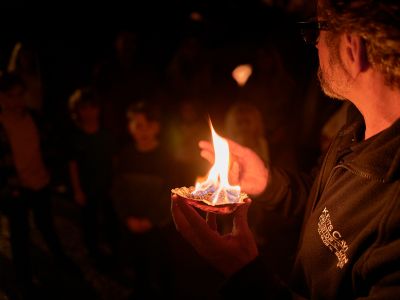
<point>310,30</point>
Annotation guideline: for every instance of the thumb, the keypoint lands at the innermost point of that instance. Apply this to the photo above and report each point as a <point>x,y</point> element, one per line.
<point>240,218</point>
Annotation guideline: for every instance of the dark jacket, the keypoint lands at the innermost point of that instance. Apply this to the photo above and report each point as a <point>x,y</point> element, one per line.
<point>142,184</point>
<point>350,242</point>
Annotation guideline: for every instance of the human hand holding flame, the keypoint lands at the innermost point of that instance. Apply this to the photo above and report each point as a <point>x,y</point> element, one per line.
<point>215,193</point>
<point>219,194</point>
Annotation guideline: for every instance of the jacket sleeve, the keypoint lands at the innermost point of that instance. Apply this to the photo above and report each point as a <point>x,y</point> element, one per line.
<point>256,281</point>
<point>287,192</point>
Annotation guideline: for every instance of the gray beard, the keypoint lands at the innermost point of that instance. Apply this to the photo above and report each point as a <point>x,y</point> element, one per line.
<point>327,88</point>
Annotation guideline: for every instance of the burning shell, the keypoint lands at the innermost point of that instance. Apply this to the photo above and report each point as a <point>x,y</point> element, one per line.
<point>205,203</point>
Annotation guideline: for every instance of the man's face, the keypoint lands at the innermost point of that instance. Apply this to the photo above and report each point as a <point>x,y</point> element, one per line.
<point>334,78</point>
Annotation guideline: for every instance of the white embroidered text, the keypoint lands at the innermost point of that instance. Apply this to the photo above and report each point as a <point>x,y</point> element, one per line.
<point>332,239</point>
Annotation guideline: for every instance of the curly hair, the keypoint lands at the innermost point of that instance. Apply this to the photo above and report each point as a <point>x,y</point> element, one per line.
<point>378,23</point>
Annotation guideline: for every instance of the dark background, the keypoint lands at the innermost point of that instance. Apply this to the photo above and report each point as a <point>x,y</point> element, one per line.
<point>72,39</point>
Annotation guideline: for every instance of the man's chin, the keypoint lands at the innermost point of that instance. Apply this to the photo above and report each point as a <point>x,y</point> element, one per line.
<point>327,89</point>
<point>330,93</point>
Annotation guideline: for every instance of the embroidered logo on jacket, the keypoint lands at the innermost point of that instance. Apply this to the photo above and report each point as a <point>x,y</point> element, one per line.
<point>332,239</point>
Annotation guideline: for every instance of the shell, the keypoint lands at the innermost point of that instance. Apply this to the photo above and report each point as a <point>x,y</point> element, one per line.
<point>204,203</point>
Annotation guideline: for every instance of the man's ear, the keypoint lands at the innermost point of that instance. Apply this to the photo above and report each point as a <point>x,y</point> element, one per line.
<point>355,56</point>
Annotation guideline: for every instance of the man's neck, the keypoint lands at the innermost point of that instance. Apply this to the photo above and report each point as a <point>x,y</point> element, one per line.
<point>374,124</point>
<point>380,107</point>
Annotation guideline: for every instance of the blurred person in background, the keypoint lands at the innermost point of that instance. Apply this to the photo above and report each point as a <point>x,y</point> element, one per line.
<point>189,126</point>
<point>189,71</point>
<point>124,76</point>
<point>272,89</point>
<point>25,63</point>
<point>24,179</point>
<point>90,169</point>
<point>144,173</point>
<point>351,214</point>
<point>244,125</point>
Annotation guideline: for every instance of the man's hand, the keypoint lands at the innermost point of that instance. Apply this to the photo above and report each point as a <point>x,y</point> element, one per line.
<point>247,168</point>
<point>227,253</point>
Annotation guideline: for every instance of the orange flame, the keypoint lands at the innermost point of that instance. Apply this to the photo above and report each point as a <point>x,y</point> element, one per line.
<point>217,182</point>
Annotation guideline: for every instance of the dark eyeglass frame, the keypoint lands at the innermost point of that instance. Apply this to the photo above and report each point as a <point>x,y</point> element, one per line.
<point>310,30</point>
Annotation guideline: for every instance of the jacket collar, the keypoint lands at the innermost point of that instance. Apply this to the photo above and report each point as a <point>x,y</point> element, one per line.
<point>377,157</point>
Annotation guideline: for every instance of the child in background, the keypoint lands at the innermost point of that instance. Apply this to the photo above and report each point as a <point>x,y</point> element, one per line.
<point>90,168</point>
<point>144,175</point>
<point>24,180</point>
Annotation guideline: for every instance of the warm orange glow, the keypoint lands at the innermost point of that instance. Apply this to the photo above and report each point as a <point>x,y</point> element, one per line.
<point>217,183</point>
<point>242,73</point>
